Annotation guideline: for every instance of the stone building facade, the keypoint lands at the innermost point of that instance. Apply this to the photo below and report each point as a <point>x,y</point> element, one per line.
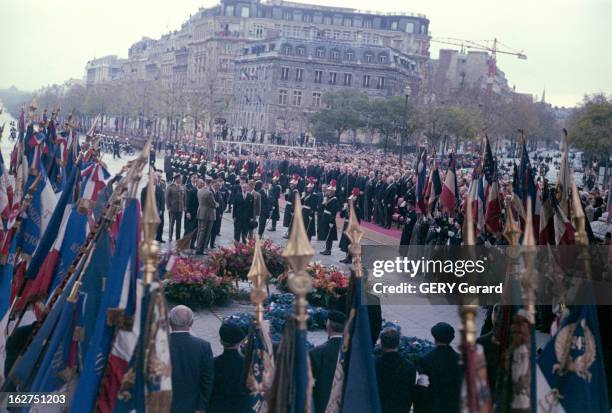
<point>278,83</point>
<point>208,51</point>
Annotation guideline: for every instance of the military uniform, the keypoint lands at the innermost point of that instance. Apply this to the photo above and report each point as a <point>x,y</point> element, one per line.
<point>309,206</point>
<point>327,230</point>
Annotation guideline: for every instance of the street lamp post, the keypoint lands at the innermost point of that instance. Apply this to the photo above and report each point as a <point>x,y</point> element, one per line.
<point>407,91</point>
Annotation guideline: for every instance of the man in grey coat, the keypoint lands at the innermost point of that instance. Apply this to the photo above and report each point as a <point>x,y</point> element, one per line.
<point>207,213</point>
<point>175,203</point>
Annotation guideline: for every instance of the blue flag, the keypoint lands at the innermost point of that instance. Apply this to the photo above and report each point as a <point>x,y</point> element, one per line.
<point>571,371</point>
<point>361,387</point>
<point>124,263</point>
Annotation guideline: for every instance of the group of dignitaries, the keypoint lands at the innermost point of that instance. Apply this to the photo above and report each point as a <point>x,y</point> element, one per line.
<point>253,188</point>
<point>203,383</point>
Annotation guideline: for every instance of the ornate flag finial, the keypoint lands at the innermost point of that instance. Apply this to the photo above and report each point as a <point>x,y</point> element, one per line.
<point>298,253</point>
<point>258,274</point>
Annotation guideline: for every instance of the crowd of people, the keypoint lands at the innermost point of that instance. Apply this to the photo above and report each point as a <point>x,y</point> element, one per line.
<point>253,188</point>
<point>202,382</point>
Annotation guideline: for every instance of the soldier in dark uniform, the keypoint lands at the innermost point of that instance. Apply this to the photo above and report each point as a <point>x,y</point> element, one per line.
<point>290,195</point>
<point>369,197</point>
<point>345,213</point>
<point>275,193</point>
<point>328,230</point>
<point>309,206</point>
<point>388,198</point>
<point>220,199</point>
<point>264,210</point>
<point>410,220</point>
<point>444,374</point>
<point>229,394</point>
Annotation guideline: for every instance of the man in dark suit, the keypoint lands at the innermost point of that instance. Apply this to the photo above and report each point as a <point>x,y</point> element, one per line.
<point>389,195</point>
<point>396,377</point>
<point>229,394</point>
<point>160,200</point>
<point>323,360</point>
<point>243,212</point>
<point>264,211</point>
<point>192,365</point>
<point>440,373</point>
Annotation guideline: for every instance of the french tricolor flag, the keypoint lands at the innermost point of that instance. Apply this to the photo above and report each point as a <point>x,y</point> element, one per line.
<point>448,197</point>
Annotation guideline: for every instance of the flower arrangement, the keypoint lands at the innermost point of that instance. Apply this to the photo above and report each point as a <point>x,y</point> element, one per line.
<point>235,261</point>
<point>277,308</point>
<point>195,284</point>
<point>410,348</point>
<point>329,285</point>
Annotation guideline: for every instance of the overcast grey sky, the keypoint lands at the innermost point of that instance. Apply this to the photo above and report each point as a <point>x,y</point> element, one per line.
<point>567,41</point>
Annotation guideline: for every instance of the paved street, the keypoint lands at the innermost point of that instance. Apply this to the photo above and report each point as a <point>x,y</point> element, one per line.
<point>415,320</point>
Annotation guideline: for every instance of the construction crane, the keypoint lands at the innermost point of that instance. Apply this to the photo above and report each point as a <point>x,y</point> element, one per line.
<point>492,46</point>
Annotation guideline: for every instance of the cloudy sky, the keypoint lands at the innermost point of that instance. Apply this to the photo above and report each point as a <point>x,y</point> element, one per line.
<point>48,41</point>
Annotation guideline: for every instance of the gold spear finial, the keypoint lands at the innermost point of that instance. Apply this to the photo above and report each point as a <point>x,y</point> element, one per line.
<point>578,216</point>
<point>298,253</point>
<point>258,274</point>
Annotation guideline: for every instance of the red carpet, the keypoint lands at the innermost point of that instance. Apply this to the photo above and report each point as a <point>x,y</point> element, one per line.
<point>393,232</point>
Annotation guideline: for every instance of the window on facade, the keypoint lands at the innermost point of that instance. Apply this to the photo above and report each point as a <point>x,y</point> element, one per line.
<point>382,58</point>
<point>320,52</point>
<point>327,20</point>
<point>286,49</point>
<point>368,57</point>
<point>409,27</point>
<point>307,18</point>
<point>336,34</point>
<point>287,15</point>
<point>346,35</point>
<point>229,10</point>
<point>299,75</point>
<point>318,76</point>
<point>380,84</point>
<point>335,54</point>
<point>366,80</point>
<point>297,98</point>
<point>244,12</point>
<point>394,25</point>
<point>348,78</point>
<point>316,99</point>
<point>282,97</point>
<point>300,51</point>
<point>284,73</point>
<point>367,24</point>
<point>348,22</point>
<point>350,55</point>
<point>259,30</point>
<point>332,78</point>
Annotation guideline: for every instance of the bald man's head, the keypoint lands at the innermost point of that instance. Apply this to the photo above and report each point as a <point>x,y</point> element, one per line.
<point>181,318</point>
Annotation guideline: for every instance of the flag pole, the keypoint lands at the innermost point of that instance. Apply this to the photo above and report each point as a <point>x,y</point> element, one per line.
<point>258,274</point>
<point>298,253</point>
<point>354,233</point>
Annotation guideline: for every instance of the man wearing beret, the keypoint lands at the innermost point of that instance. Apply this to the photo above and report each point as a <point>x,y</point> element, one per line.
<point>229,394</point>
<point>323,360</point>
<point>440,374</point>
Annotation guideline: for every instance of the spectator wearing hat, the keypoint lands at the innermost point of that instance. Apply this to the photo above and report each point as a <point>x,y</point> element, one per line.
<point>192,364</point>
<point>229,394</point>
<point>175,203</point>
<point>440,373</point>
<point>396,377</point>
<point>323,360</point>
